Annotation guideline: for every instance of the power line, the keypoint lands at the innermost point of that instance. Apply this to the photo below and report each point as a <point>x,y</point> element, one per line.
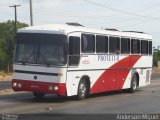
<point>137,24</point>
<point>120,11</point>
<point>75,16</point>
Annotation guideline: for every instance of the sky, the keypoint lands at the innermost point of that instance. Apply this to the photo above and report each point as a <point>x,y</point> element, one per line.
<point>124,15</point>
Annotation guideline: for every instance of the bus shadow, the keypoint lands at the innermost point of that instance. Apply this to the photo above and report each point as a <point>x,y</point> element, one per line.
<point>113,93</point>
<point>49,98</point>
<point>60,99</point>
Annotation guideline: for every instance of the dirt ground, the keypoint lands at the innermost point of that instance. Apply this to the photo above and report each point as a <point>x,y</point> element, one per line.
<point>156,69</point>
<point>9,77</point>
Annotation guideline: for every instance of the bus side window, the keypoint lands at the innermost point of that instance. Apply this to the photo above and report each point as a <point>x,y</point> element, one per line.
<point>114,45</point>
<point>150,47</point>
<point>135,45</point>
<point>88,43</point>
<point>125,45</point>
<point>101,44</point>
<point>144,47</point>
<point>74,51</point>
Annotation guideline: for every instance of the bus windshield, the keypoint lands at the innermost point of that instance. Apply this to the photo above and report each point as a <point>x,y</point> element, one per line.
<point>40,48</point>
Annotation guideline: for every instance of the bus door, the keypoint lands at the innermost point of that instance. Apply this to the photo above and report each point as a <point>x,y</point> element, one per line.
<point>73,63</point>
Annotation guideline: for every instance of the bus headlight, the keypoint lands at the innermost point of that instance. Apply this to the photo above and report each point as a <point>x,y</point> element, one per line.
<point>15,84</point>
<point>56,88</point>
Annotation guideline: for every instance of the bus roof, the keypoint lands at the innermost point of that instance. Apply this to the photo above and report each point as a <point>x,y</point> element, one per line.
<point>66,29</point>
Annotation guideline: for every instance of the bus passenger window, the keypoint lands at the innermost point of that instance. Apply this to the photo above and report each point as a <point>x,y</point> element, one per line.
<point>150,47</point>
<point>144,47</point>
<point>88,43</point>
<point>125,45</point>
<point>114,44</point>
<point>101,44</point>
<point>135,44</point>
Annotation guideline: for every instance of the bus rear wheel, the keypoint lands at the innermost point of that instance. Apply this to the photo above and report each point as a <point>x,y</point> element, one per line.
<point>38,95</point>
<point>82,90</point>
<point>134,84</point>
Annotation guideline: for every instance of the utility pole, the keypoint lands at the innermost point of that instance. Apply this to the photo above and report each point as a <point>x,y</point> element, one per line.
<point>31,13</point>
<point>15,9</point>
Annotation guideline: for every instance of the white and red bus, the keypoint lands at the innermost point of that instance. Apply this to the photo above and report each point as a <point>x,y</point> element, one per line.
<point>71,59</point>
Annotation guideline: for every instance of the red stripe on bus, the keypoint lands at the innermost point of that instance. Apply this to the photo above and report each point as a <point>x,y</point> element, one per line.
<point>37,86</point>
<point>114,77</point>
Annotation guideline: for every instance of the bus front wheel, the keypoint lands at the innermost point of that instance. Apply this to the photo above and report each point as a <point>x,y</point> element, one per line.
<point>38,95</point>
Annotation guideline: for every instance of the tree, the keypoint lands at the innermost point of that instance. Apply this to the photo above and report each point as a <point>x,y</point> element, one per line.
<point>7,43</point>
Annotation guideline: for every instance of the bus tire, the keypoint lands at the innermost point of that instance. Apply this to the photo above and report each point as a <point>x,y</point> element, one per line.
<point>38,95</point>
<point>82,90</point>
<point>134,84</point>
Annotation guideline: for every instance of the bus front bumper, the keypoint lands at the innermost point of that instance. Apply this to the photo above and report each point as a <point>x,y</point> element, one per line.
<point>38,86</point>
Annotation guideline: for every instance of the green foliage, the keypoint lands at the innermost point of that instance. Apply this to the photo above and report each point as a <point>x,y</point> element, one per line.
<point>7,43</point>
<point>156,58</point>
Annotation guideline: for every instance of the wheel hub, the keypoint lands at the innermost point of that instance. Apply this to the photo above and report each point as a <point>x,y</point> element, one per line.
<point>82,89</point>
